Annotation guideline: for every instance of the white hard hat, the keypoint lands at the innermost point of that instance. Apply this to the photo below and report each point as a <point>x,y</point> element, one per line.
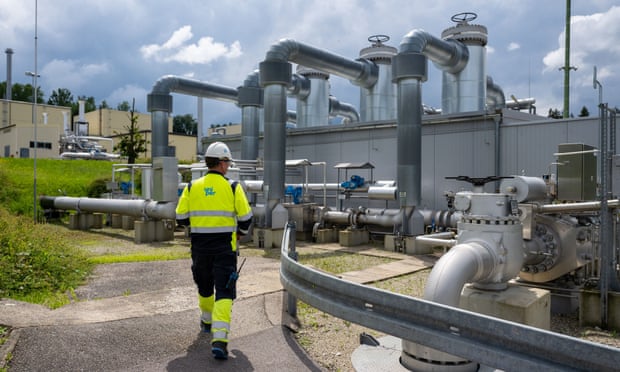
<point>218,150</point>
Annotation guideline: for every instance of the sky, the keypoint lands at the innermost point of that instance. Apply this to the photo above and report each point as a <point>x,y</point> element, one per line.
<point>115,50</point>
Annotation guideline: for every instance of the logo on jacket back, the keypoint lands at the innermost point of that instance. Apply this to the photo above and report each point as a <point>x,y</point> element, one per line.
<point>209,191</point>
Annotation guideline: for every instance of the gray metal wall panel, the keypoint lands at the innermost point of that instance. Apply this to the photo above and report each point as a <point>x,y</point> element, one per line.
<point>451,146</point>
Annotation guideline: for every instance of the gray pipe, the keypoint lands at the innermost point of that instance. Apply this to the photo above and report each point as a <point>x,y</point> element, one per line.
<point>250,100</point>
<point>464,263</point>
<point>9,74</point>
<point>495,95</point>
<point>159,103</point>
<point>448,55</point>
<point>170,83</point>
<point>274,147</point>
<point>576,207</point>
<point>275,77</point>
<point>346,110</point>
<point>409,69</point>
<point>135,208</point>
<point>361,72</point>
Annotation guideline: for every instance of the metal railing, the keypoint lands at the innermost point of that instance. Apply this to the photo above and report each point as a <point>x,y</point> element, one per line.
<point>489,341</point>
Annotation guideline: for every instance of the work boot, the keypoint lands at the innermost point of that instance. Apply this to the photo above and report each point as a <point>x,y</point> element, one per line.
<point>218,348</point>
<point>205,327</point>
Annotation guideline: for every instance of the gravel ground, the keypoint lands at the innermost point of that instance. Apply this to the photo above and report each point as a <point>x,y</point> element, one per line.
<point>328,340</point>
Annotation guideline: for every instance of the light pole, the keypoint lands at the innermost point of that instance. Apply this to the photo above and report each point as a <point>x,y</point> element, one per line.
<point>34,76</point>
<point>34,123</point>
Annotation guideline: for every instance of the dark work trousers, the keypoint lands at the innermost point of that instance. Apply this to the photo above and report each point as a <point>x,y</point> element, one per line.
<point>213,271</point>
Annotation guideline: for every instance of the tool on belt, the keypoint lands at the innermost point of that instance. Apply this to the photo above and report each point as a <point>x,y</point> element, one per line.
<point>235,274</point>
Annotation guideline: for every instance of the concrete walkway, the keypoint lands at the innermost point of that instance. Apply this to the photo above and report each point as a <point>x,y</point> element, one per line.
<point>143,317</point>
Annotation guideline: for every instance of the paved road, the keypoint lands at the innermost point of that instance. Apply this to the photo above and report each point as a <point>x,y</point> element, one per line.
<point>143,317</point>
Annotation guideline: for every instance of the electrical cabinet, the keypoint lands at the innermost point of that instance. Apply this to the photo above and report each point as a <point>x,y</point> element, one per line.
<point>577,173</point>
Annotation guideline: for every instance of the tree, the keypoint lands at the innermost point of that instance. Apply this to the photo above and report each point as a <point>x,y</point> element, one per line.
<point>555,114</point>
<point>131,143</point>
<point>185,124</point>
<point>123,106</point>
<point>21,92</point>
<point>584,112</point>
<point>104,105</point>
<point>61,97</point>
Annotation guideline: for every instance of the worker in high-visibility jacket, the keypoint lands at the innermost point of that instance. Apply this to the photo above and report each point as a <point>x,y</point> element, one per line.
<point>217,211</point>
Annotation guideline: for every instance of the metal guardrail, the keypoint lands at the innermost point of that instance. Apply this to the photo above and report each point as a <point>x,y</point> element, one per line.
<point>489,341</point>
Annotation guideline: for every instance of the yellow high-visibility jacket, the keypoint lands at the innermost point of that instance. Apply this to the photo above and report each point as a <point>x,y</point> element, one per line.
<point>215,210</point>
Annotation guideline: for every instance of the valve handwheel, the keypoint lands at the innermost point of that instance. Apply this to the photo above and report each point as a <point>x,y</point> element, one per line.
<point>478,181</point>
<point>378,39</point>
<point>464,17</point>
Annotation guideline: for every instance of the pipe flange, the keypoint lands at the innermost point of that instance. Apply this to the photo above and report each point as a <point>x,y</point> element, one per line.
<point>467,34</point>
<point>378,52</point>
<point>549,244</point>
<point>490,220</point>
<point>311,72</point>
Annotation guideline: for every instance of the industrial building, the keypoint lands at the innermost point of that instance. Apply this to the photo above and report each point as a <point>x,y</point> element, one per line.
<point>54,123</point>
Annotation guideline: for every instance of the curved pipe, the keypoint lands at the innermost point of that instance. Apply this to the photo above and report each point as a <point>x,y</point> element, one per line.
<point>495,95</point>
<point>346,110</point>
<point>136,208</point>
<point>159,104</point>
<point>464,263</point>
<point>170,83</point>
<point>449,55</point>
<point>361,72</point>
<point>300,87</point>
<point>275,76</point>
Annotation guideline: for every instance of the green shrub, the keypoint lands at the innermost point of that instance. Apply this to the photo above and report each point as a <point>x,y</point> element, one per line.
<point>97,187</point>
<point>34,259</point>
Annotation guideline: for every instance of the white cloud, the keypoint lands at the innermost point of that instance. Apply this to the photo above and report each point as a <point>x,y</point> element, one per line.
<point>177,49</point>
<point>71,74</point>
<point>128,93</point>
<point>513,46</point>
<point>591,36</point>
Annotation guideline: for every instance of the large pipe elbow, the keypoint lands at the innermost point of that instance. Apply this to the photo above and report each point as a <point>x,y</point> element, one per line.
<point>495,95</point>
<point>464,263</point>
<point>449,55</point>
<point>170,83</point>
<point>346,110</point>
<point>361,72</point>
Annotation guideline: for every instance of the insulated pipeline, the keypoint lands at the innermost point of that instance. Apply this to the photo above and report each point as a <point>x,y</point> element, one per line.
<point>136,208</point>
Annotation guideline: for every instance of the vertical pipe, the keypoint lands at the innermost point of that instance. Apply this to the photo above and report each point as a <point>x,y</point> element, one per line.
<point>159,143</point>
<point>275,145</point>
<point>9,74</point>
<point>604,241</point>
<point>250,122</point>
<point>274,77</point>
<point>409,148</point>
<point>410,70</point>
<point>200,128</point>
<point>250,101</point>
